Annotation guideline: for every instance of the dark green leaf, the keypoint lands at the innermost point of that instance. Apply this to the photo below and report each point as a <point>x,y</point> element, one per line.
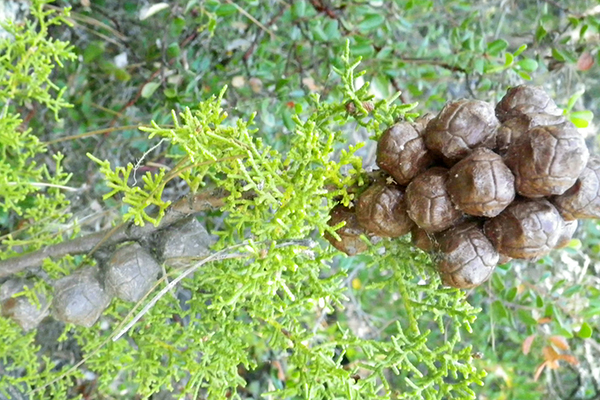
<point>468,44</point>
<point>479,65</point>
<point>558,55</point>
<point>363,49</point>
<point>298,9</point>
<point>149,89</point>
<point>331,29</point>
<point>511,294</point>
<point>572,290</point>
<point>318,32</point>
<point>173,50</point>
<point>93,51</point>
<point>178,25</point>
<point>496,47</point>
<point>526,318</point>
<point>528,64</point>
<point>499,311</point>
<point>585,332</point>
<point>497,282</point>
<point>520,50</point>
<point>226,9</point>
<point>170,93</point>
<point>539,301</point>
<point>370,22</point>
<point>287,120</point>
<point>540,33</point>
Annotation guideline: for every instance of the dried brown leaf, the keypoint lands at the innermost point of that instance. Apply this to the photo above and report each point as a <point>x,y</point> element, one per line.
<point>560,342</point>
<point>550,354</point>
<point>569,358</point>
<point>539,371</point>
<point>585,61</point>
<point>527,344</point>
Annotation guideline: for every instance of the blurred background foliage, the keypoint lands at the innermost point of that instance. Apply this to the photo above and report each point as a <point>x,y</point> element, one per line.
<point>538,334</point>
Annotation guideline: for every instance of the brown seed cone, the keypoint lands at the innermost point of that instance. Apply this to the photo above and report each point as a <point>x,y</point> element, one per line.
<point>461,126</point>
<point>381,210</point>
<point>21,309</point>
<point>582,200</point>
<point>420,123</point>
<point>527,229</point>
<point>511,130</point>
<point>131,272</point>
<point>401,152</point>
<point>80,298</point>
<point>567,231</point>
<point>467,257</point>
<point>188,238</point>
<point>350,242</point>
<point>525,99</point>
<point>423,240</point>
<point>547,160</point>
<point>481,184</point>
<point>429,203</point>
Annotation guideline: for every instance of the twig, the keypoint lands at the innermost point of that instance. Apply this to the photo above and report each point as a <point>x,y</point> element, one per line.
<point>319,6</point>
<point>397,88</point>
<point>93,133</point>
<point>138,164</point>
<point>258,37</point>
<point>42,184</point>
<point>122,233</point>
<point>416,60</point>
<point>251,18</point>
<point>92,21</point>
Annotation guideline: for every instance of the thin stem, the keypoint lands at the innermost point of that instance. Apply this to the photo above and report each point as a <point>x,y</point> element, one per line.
<point>251,18</point>
<point>93,133</point>
<point>220,255</point>
<point>42,184</point>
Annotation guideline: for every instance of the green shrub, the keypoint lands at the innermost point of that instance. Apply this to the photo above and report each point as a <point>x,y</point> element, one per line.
<point>285,315</point>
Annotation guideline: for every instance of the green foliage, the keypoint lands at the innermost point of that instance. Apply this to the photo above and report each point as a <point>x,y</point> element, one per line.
<point>275,197</point>
<point>295,322</point>
<point>138,198</point>
<point>28,57</point>
<point>29,189</point>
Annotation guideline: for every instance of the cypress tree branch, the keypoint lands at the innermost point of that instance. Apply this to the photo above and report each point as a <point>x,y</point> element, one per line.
<point>182,208</point>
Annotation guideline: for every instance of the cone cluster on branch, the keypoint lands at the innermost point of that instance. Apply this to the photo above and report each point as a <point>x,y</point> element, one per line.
<point>131,271</point>
<point>478,186</point>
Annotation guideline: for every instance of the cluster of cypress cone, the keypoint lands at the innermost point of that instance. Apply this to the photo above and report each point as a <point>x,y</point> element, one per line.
<point>128,274</point>
<point>478,186</point>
